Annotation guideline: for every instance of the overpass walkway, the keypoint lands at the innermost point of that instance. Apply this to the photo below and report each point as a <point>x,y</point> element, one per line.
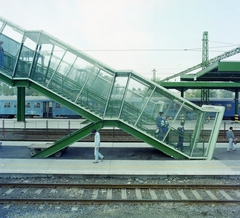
<point>104,96</point>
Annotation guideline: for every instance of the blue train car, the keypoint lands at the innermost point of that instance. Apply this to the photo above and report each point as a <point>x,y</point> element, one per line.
<point>8,107</point>
<point>59,111</point>
<point>43,107</point>
<point>35,106</point>
<point>228,103</point>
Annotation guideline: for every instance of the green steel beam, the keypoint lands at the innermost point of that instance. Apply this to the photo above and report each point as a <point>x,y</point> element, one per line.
<point>220,71</point>
<point>21,82</point>
<point>64,102</point>
<point>20,104</point>
<point>200,73</point>
<point>79,134</point>
<point>199,85</point>
<point>98,123</point>
<point>73,137</point>
<point>68,140</point>
<point>210,62</point>
<point>229,66</point>
<point>6,79</point>
<point>56,97</point>
<point>152,141</point>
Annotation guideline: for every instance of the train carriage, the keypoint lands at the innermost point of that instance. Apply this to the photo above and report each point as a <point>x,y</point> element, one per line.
<point>35,106</point>
<point>43,107</point>
<point>228,103</point>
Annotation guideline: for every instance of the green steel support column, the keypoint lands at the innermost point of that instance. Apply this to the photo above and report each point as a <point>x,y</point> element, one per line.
<point>20,104</point>
<point>182,93</point>
<point>205,96</point>
<point>236,105</point>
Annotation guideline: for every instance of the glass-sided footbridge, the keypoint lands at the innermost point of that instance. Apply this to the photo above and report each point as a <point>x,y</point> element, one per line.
<point>104,96</point>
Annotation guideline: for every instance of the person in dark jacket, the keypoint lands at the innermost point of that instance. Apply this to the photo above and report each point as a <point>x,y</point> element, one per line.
<point>231,138</point>
<point>180,131</point>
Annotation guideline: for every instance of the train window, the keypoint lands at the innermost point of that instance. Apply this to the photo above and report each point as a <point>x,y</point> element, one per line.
<point>15,104</point>
<point>228,107</point>
<point>27,105</point>
<point>58,105</point>
<point>36,104</point>
<point>7,104</point>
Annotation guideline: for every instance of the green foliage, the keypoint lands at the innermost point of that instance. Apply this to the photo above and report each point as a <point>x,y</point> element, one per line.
<point>225,94</point>
<point>196,93</point>
<point>7,90</point>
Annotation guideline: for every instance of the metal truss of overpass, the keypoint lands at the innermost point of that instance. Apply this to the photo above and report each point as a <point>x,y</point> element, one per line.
<point>104,96</point>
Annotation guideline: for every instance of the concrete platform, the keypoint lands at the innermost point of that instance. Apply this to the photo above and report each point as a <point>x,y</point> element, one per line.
<point>47,167</point>
<point>85,167</point>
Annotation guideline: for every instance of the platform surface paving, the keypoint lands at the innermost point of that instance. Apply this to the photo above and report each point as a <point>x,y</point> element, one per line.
<point>116,167</point>
<point>225,164</point>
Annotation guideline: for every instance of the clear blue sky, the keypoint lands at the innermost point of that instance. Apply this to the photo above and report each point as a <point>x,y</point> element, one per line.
<point>135,34</point>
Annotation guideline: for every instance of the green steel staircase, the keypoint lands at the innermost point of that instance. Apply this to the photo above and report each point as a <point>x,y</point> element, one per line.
<point>104,96</point>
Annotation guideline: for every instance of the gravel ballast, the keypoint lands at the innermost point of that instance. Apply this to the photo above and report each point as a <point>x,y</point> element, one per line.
<point>175,210</point>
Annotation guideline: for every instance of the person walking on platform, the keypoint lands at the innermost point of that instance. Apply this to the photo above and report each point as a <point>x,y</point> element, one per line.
<point>1,54</point>
<point>231,138</point>
<point>97,141</point>
<point>160,121</point>
<point>180,131</point>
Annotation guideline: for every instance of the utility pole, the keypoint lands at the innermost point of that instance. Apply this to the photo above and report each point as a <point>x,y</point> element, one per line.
<point>205,50</point>
<point>205,63</point>
<point>154,74</point>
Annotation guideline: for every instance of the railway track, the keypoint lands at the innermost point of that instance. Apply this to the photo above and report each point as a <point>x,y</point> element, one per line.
<point>113,135</point>
<point>117,193</point>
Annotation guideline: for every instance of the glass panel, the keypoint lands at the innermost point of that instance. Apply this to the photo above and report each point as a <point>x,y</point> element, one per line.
<point>14,34</point>
<point>27,105</point>
<point>26,58</point>
<point>100,90</point>
<point>36,104</point>
<point>116,100</point>
<point>7,104</point>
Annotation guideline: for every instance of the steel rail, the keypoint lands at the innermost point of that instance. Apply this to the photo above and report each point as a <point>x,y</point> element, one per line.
<point>116,186</point>
<point>106,135</point>
<point>120,186</point>
<point>106,201</point>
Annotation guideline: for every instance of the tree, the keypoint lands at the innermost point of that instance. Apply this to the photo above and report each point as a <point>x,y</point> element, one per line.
<point>225,94</point>
<point>196,93</point>
<point>7,90</point>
